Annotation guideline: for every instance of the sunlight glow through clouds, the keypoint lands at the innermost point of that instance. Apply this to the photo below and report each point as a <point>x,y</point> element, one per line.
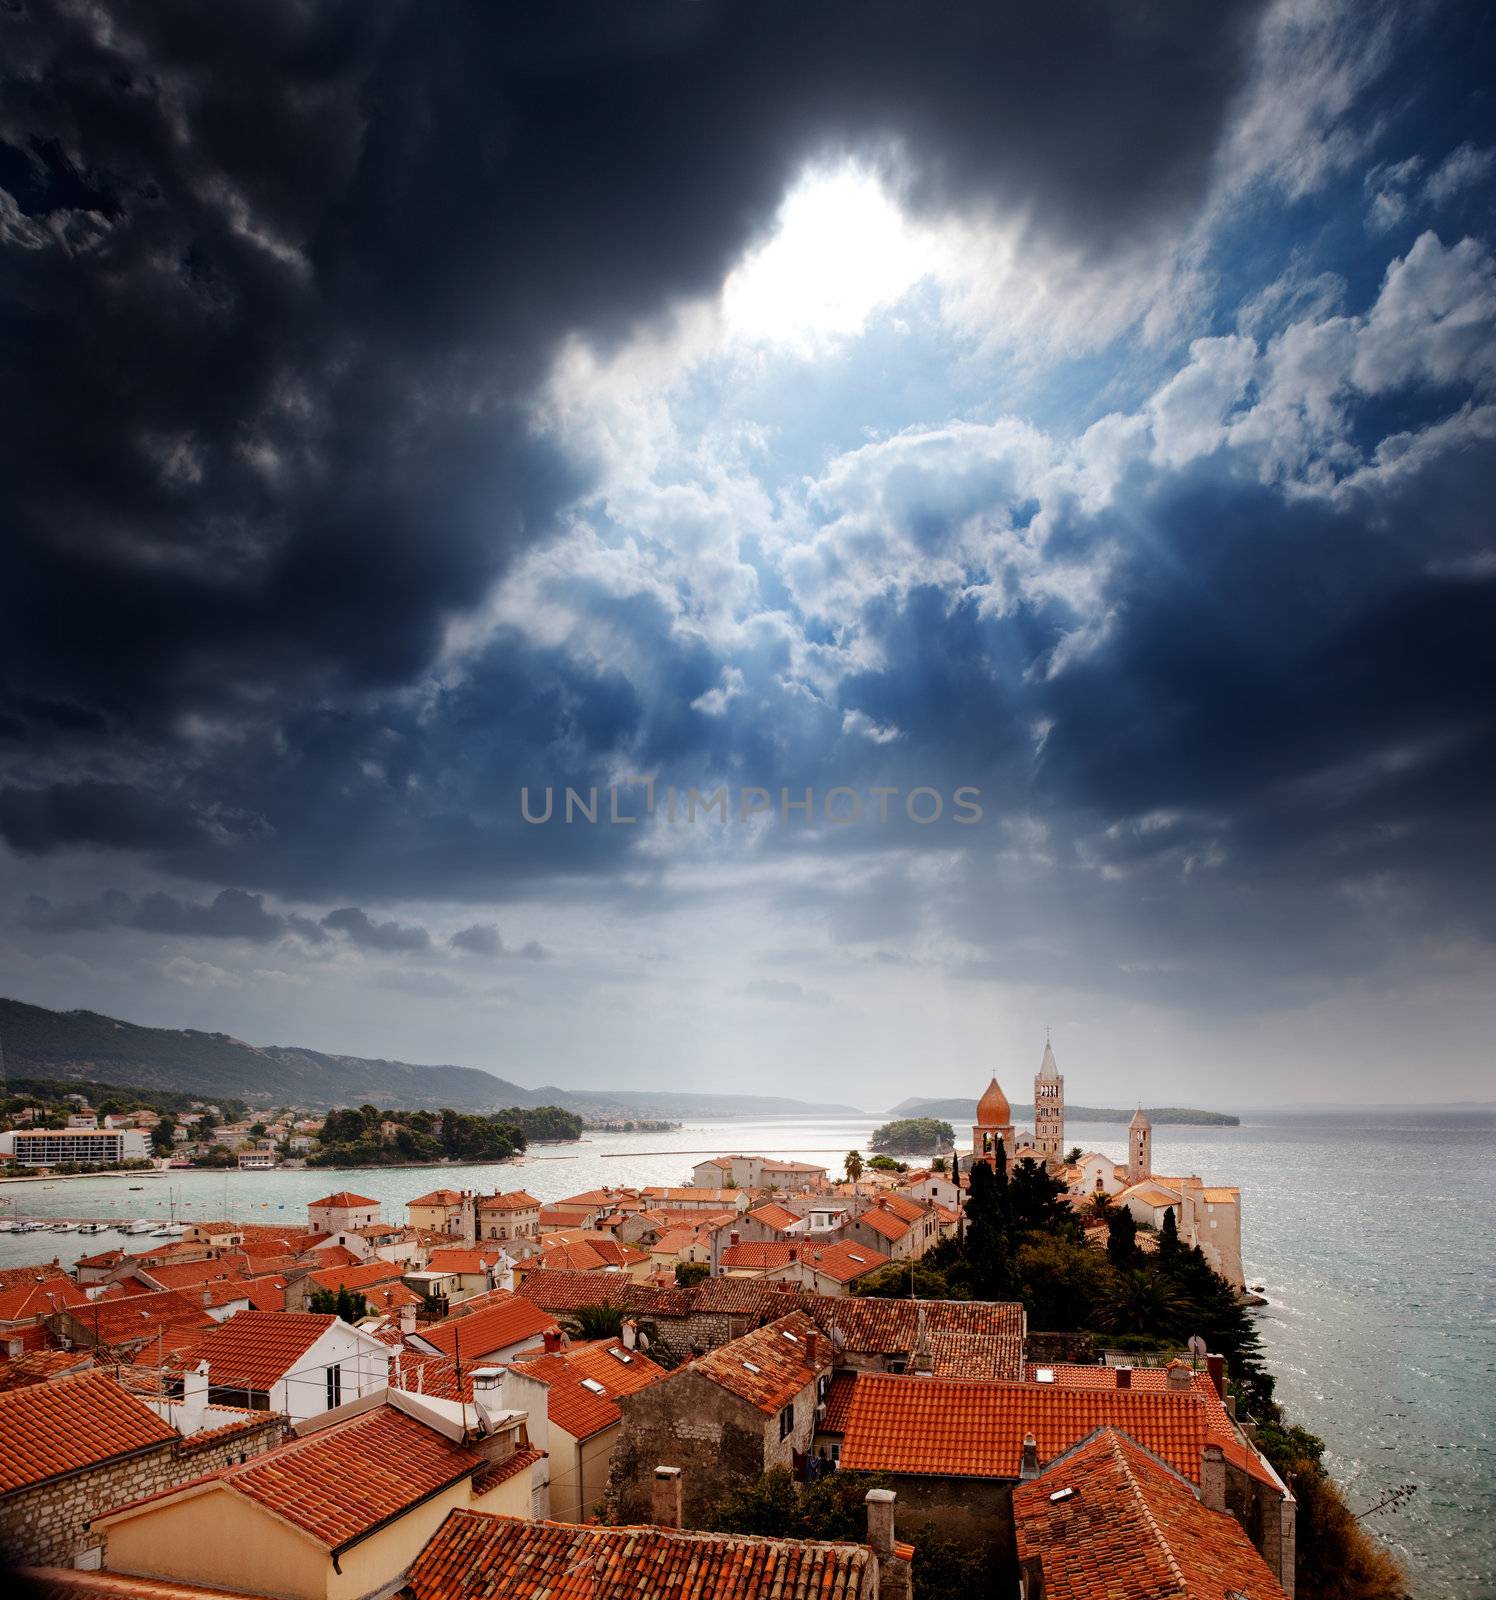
<point>841,251</point>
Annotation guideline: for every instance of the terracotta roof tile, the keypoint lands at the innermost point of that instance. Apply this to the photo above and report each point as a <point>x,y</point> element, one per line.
<point>362,1276</point>
<point>437,1197</point>
<point>767,1367</point>
<point>459,1258</point>
<point>501,1323</point>
<point>511,1200</point>
<point>948,1427</point>
<point>565,1291</point>
<point>38,1296</point>
<point>838,1401</point>
<point>575,1377</point>
<point>343,1199</point>
<point>70,1423</point>
<point>255,1349</point>
<point>1130,1529</point>
<point>166,1319</point>
<point>777,1217</point>
<point>65,1583</point>
<point>479,1557</point>
<point>342,1482</point>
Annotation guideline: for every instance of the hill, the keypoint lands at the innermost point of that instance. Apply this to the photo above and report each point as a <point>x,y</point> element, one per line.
<point>85,1045</point>
<point>963,1113</point>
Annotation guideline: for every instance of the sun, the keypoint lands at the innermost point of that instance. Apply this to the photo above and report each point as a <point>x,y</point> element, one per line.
<point>841,250</point>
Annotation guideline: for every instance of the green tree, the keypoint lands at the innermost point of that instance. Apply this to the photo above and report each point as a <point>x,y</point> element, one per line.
<point>689,1273</point>
<point>162,1141</point>
<point>601,1321</point>
<point>832,1506</point>
<point>988,1256</point>
<point>1122,1238</point>
<point>1146,1302</point>
<point>1062,1281</point>
<point>1036,1198</point>
<point>852,1166</point>
<point>1168,1239</point>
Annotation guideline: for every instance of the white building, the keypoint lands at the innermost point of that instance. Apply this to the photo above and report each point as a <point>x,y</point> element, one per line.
<point>52,1147</point>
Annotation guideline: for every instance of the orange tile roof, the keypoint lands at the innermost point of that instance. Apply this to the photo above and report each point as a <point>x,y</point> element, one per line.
<point>11,1276</point>
<point>336,1255</point>
<point>343,1199</point>
<point>843,1260</point>
<point>37,1366</point>
<point>255,1349</point>
<point>23,1300</point>
<point>1155,1380</point>
<point>511,1200</point>
<point>362,1276</point>
<point>673,1241</point>
<point>577,1256</point>
<point>459,1258</point>
<point>475,1556</point>
<point>437,1197</point>
<point>67,1583</point>
<point>501,1323</point>
<point>902,1206</point>
<point>68,1424</point>
<point>565,1291</point>
<point>777,1217</point>
<point>838,1401</point>
<point>891,1327</point>
<point>575,1376</point>
<point>970,1355</point>
<point>166,1318</point>
<point>767,1367</point>
<point>665,1193</point>
<point>340,1483</point>
<point>1131,1529</point>
<point>759,1255</point>
<point>951,1427</point>
<point>885,1223</point>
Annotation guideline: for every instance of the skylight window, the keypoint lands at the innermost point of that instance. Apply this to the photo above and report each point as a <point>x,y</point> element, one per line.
<point>1061,1494</point>
<point>784,1333</point>
<point>620,1355</point>
<point>748,1366</point>
<point>593,1385</point>
<point>1044,1375</point>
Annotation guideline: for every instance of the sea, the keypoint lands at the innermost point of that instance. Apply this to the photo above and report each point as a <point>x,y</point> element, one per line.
<point>1372,1234</point>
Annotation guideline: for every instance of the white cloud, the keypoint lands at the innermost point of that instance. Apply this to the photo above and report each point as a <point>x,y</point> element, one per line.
<point>1461,168</point>
<point>715,701</point>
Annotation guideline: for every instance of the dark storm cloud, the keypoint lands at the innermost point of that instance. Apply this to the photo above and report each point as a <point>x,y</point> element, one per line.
<point>231,914</point>
<point>363,931</point>
<point>278,281</point>
<point>481,939</point>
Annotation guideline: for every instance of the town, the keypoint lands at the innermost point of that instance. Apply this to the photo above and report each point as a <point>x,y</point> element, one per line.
<point>743,1382</point>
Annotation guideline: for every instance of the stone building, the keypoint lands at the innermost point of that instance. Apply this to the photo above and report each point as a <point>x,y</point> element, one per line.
<point>724,1420</point>
<point>74,1447</point>
<point>1049,1110</point>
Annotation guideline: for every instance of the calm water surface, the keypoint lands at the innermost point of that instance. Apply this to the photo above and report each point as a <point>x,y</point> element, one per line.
<point>1375,1236</point>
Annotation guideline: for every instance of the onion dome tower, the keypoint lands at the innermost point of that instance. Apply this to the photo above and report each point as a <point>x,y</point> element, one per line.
<point>994,1123</point>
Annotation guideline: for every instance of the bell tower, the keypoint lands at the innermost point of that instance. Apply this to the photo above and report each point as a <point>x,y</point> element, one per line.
<point>994,1122</point>
<point>1049,1110</point>
<point>1139,1147</point>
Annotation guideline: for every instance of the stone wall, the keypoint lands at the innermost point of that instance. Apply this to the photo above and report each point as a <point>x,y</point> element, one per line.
<point>976,1513</point>
<point>717,1440</point>
<point>46,1525</point>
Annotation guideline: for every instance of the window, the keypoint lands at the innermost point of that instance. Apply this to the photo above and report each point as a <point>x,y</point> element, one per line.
<point>334,1386</point>
<point>787,1421</point>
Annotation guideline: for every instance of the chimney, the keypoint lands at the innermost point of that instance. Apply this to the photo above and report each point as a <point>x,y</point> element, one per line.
<point>552,1340</point>
<point>1216,1367</point>
<point>407,1320</point>
<point>191,1414</point>
<point>810,1350</point>
<point>1030,1465</point>
<point>880,1522</point>
<point>1124,1377</point>
<point>734,1237</point>
<point>665,1499</point>
<point>794,1252</point>
<point>628,1331</point>
<point>1178,1379</point>
<point>1212,1478</point>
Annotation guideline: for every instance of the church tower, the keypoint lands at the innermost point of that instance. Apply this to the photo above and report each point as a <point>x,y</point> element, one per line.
<point>994,1122</point>
<point>1049,1110</point>
<point>1139,1147</point>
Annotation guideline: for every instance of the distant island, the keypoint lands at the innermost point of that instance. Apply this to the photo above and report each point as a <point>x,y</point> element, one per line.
<point>366,1136</point>
<point>87,1046</point>
<point>913,1136</point>
<point>963,1112</point>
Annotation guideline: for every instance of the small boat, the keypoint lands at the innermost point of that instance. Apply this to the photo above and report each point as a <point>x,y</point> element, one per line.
<point>64,1227</point>
<point>92,1227</point>
<point>135,1188</point>
<point>140,1227</point>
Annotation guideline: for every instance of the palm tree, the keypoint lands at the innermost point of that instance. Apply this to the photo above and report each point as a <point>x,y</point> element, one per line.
<point>1147,1303</point>
<point>853,1166</point>
<point>1101,1206</point>
<point>601,1321</point>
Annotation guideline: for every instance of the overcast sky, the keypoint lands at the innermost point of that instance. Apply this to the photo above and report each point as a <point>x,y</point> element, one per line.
<point>1089,406</point>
